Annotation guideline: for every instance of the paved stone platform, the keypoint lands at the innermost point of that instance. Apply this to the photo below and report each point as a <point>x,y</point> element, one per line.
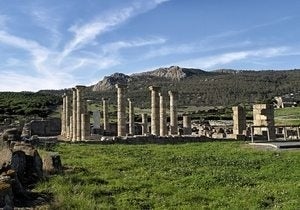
<point>278,144</point>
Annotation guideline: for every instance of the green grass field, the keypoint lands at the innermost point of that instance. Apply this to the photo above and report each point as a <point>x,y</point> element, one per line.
<point>211,175</point>
<point>287,116</point>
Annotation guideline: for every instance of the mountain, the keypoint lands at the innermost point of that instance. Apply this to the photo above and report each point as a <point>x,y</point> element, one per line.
<point>197,87</point>
<point>174,73</point>
<point>109,82</point>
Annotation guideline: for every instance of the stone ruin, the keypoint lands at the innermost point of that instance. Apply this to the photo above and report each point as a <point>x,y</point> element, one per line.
<point>76,125</point>
<point>21,166</point>
<point>263,120</point>
<point>75,117</point>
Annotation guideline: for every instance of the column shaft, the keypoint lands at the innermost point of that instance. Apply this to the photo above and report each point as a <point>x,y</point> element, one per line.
<point>131,117</point>
<point>80,110</point>
<point>71,128</point>
<point>67,117</point>
<point>144,124</point>
<point>105,114</point>
<point>63,117</point>
<point>187,125</point>
<point>154,110</point>
<point>74,114</point>
<point>121,89</point>
<point>173,112</point>
<point>162,116</point>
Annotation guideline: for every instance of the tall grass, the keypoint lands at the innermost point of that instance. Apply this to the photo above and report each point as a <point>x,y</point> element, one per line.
<point>186,176</point>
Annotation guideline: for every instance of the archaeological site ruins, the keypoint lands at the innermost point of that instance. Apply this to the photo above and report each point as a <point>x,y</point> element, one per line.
<point>164,122</point>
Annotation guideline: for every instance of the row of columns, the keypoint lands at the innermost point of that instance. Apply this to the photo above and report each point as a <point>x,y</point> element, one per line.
<point>75,126</point>
<point>158,114</point>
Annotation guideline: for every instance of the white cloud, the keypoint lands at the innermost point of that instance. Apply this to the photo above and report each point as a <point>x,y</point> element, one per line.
<point>55,67</point>
<point>38,52</point>
<point>212,61</point>
<point>86,33</point>
<point>188,48</point>
<point>49,21</point>
<point>20,82</point>
<point>116,46</point>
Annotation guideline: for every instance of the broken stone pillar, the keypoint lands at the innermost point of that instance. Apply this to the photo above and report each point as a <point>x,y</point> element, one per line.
<point>162,116</point>
<point>279,102</point>
<point>74,114</point>
<point>187,125</point>
<point>80,110</point>
<point>154,110</point>
<point>105,114</point>
<point>173,112</point>
<point>263,115</point>
<point>144,124</point>
<point>239,120</point>
<point>63,116</point>
<point>121,121</point>
<point>131,117</point>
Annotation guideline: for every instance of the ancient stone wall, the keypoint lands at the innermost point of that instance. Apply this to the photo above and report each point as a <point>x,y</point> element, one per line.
<point>263,115</point>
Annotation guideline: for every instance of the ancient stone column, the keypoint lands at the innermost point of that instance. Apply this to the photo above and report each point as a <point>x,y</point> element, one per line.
<point>187,125</point>
<point>162,116</point>
<point>87,125</point>
<point>85,121</point>
<point>154,110</point>
<point>144,124</point>
<point>71,128</point>
<point>131,117</point>
<point>173,112</point>
<point>83,126</point>
<point>121,121</point>
<point>74,114</point>
<point>67,116</point>
<point>63,116</point>
<point>105,114</point>
<point>239,120</point>
<point>80,109</point>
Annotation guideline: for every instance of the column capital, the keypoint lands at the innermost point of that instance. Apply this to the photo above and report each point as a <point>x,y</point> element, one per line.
<point>121,86</point>
<point>154,88</point>
<point>80,87</point>
<point>105,99</point>
<point>172,92</point>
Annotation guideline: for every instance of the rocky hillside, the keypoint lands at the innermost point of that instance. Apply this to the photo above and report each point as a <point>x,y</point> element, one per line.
<point>109,82</point>
<point>197,87</point>
<point>174,73</point>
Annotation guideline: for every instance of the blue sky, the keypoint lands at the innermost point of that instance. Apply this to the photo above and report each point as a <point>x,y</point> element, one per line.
<point>54,44</point>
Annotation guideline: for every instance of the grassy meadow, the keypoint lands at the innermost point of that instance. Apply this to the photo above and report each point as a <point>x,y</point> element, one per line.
<point>287,116</point>
<point>210,175</point>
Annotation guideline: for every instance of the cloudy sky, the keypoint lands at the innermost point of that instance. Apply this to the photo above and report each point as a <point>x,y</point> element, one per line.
<point>54,44</point>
